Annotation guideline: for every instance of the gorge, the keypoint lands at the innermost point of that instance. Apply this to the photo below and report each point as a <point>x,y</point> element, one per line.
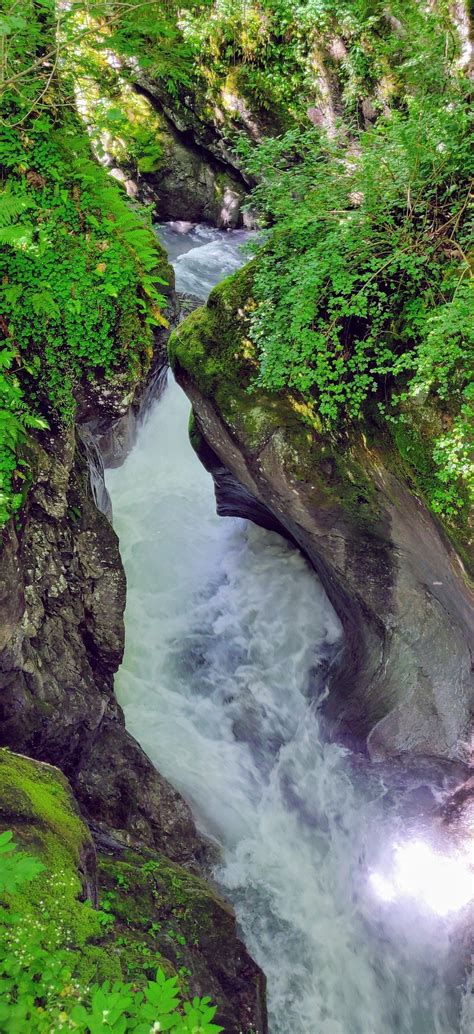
<point>229,638</point>
<point>236,597</point>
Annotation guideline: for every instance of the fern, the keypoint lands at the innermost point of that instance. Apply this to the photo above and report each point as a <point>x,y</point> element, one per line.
<point>136,236</point>
<point>43,304</point>
<point>19,235</point>
<point>12,207</point>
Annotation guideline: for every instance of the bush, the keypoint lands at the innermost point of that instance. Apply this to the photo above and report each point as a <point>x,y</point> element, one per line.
<point>363,284</point>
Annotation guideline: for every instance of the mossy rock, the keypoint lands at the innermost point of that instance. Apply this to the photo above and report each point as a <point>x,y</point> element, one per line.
<point>36,801</point>
<point>212,350</point>
<point>37,804</point>
<point>165,916</point>
<point>162,912</point>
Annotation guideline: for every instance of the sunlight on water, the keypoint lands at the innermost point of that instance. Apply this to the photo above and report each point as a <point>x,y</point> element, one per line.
<point>443,882</point>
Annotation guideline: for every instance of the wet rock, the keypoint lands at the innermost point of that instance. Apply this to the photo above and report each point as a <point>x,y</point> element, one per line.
<point>188,184</point>
<point>122,794</point>
<point>403,681</point>
<point>187,304</point>
<point>63,616</point>
<point>62,598</point>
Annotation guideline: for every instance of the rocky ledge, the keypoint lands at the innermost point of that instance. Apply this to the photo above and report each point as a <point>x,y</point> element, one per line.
<point>402,681</point>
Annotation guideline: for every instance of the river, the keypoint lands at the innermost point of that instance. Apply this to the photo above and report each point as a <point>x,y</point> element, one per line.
<point>227,629</point>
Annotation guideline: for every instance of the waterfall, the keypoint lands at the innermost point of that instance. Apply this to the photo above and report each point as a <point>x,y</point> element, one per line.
<point>228,633</point>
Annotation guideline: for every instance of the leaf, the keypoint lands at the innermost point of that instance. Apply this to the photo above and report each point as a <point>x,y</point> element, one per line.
<point>44,304</point>
<point>158,316</point>
<point>6,841</point>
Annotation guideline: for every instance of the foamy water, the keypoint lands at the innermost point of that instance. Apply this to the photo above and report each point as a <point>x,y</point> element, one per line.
<point>227,637</point>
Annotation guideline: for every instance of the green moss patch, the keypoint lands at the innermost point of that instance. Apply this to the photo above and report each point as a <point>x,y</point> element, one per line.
<point>38,806</point>
<point>161,914</point>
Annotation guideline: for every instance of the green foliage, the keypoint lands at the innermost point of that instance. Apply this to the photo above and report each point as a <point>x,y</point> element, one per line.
<point>80,271</point>
<point>39,987</point>
<point>280,54</point>
<point>363,283</point>
<point>16,867</point>
<point>15,421</point>
<point>259,48</point>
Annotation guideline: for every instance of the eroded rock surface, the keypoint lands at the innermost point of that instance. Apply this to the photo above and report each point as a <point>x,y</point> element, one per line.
<point>403,681</point>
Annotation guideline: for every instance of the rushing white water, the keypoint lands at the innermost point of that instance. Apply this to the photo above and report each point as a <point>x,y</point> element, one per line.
<point>227,629</point>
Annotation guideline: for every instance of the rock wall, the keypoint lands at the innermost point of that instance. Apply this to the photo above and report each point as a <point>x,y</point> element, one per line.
<point>189,183</point>
<point>182,178</point>
<point>62,599</point>
<point>403,681</point>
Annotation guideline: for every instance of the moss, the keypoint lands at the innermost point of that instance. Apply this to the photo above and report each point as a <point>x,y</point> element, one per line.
<point>210,345</point>
<point>37,798</point>
<point>195,436</point>
<point>153,913</point>
<point>38,806</point>
<point>162,913</point>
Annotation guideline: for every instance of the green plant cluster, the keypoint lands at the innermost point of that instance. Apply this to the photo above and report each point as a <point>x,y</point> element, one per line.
<point>80,271</point>
<point>123,124</point>
<point>40,990</point>
<point>282,54</point>
<point>363,283</point>
<point>260,48</point>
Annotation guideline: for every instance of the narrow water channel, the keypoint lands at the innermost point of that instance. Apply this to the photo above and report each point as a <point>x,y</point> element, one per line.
<point>226,629</point>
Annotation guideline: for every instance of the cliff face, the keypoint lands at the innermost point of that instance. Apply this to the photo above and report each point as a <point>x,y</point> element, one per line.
<point>62,614</point>
<point>62,598</point>
<point>403,681</point>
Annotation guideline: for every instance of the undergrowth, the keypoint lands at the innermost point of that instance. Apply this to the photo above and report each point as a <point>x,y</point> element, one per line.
<point>363,283</point>
<point>40,988</point>
<point>80,271</point>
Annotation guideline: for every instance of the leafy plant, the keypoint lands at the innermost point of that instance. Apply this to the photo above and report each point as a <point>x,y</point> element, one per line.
<point>363,282</point>
<point>80,271</point>
<point>40,992</point>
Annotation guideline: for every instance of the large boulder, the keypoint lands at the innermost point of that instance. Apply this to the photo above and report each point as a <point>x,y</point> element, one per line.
<point>403,678</point>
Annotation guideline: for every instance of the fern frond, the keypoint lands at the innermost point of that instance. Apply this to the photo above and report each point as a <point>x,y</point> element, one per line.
<point>17,236</point>
<point>12,206</point>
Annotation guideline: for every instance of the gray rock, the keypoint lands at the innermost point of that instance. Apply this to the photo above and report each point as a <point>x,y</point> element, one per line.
<point>403,680</point>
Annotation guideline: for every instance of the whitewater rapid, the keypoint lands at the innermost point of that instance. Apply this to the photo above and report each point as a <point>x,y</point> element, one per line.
<point>228,634</point>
